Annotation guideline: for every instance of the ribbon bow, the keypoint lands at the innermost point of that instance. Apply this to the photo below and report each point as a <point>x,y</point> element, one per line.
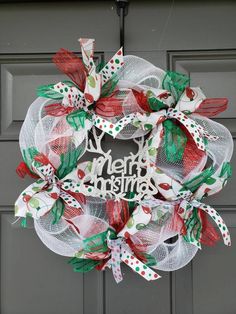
<point>116,248</point>
<point>208,182</point>
<point>41,196</point>
<point>188,211</point>
<point>151,120</point>
<point>87,82</point>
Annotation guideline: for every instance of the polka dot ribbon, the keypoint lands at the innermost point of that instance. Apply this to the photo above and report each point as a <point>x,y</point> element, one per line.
<point>110,128</point>
<point>121,252</point>
<point>72,96</point>
<point>39,197</point>
<point>196,130</point>
<point>185,211</point>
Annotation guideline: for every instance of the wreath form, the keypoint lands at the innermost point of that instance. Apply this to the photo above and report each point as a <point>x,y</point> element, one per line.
<point>183,157</point>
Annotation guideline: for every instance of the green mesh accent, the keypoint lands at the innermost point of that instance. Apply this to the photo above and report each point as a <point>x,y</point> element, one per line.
<point>130,195</point>
<point>68,162</point>
<point>57,210</point>
<point>47,91</point>
<point>96,243</point>
<point>148,259</point>
<point>28,155</point>
<point>100,66</point>
<point>174,141</point>
<point>175,83</point>
<point>226,170</point>
<point>197,181</point>
<point>81,265</point>
<point>109,86</point>
<point>77,118</point>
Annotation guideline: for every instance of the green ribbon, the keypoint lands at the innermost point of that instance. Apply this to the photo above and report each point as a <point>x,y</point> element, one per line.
<point>197,181</point>
<point>226,170</point>
<point>57,210</point>
<point>28,155</point>
<point>175,83</point>
<point>97,243</point>
<point>69,161</point>
<point>174,141</point>
<point>108,88</point>
<point>94,244</point>
<point>76,119</point>
<point>193,227</point>
<point>81,265</point>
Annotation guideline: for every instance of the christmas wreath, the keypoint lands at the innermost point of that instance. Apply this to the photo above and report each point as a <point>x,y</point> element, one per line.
<point>146,209</point>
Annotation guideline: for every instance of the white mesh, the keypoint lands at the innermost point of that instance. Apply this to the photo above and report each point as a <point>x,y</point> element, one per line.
<point>147,73</point>
<point>50,135</point>
<point>59,238</point>
<point>172,256</point>
<point>220,150</point>
<point>62,238</point>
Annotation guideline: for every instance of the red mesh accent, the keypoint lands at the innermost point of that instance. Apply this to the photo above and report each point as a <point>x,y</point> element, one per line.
<point>41,158</point>
<point>212,106</point>
<point>177,223</point>
<point>192,155</point>
<point>68,63</point>
<point>22,170</point>
<point>109,107</point>
<point>60,145</point>
<point>209,235</point>
<point>57,110</point>
<point>71,212</point>
<point>118,213</point>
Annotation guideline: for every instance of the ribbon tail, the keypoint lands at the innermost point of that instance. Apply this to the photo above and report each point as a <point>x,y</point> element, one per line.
<point>26,204</point>
<point>112,66</point>
<point>218,220</point>
<point>113,129</point>
<point>138,267</point>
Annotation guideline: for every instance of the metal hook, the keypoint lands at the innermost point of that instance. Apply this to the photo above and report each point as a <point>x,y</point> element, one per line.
<point>122,11</point>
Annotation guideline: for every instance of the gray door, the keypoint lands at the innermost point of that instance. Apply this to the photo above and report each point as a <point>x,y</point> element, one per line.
<point>195,37</point>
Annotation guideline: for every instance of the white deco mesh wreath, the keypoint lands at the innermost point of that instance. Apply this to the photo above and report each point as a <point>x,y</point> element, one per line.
<point>145,209</point>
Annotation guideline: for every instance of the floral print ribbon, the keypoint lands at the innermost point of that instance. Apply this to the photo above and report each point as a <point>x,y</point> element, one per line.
<point>40,197</point>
